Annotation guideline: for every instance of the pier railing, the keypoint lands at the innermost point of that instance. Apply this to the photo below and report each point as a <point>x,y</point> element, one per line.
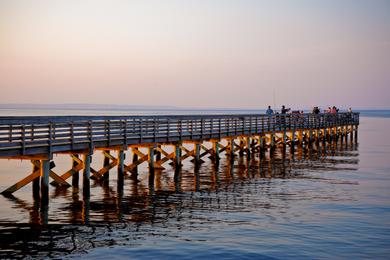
<point>42,135</point>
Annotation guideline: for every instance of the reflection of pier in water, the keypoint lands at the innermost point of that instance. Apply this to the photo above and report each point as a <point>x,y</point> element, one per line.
<point>168,202</point>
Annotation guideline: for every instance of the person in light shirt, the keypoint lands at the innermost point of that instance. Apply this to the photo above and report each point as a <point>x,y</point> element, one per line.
<point>269,111</point>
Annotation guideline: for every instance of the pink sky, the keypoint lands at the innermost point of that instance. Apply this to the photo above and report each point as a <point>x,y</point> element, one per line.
<point>231,54</point>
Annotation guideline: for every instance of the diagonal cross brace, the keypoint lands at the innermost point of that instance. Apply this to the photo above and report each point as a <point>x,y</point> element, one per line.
<point>96,175</point>
<point>57,179</point>
<point>69,173</point>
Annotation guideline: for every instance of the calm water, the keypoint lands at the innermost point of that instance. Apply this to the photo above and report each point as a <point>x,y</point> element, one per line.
<point>327,202</point>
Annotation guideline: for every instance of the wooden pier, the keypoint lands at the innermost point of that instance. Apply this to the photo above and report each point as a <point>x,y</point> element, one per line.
<point>153,140</point>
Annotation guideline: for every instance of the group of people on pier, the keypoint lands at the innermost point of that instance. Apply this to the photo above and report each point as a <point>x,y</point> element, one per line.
<point>316,110</point>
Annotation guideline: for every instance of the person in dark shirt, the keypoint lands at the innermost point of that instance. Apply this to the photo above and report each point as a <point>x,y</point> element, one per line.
<point>316,110</point>
<point>284,110</point>
<point>283,113</point>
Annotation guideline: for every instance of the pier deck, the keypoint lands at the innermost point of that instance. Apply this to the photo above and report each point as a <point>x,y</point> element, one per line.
<point>38,138</point>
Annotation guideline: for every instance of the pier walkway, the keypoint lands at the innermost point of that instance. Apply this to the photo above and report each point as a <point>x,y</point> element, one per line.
<point>155,140</point>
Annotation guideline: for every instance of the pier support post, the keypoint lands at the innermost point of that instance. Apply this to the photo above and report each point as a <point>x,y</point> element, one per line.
<point>121,170</point>
<point>151,168</point>
<point>272,144</point>
<point>197,154</point>
<point>36,185</point>
<point>231,144</point>
<point>158,153</point>
<point>241,146</point>
<point>324,135</point>
<point>351,133</point>
<point>45,172</point>
<point>216,151</point>
<point>356,133</point>
<point>261,146</point>
<point>248,147</point>
<point>106,164</point>
<point>75,175</point>
<point>151,159</point>
<point>300,136</point>
<point>86,175</point>
<point>177,156</point>
<point>135,159</point>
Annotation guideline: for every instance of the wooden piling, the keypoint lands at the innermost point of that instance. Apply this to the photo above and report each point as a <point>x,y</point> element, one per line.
<point>177,156</point>
<point>356,133</point>
<point>121,170</point>
<point>197,154</point>
<point>231,149</point>
<point>216,151</point>
<point>158,153</point>
<point>86,174</point>
<point>248,147</point>
<point>106,163</point>
<point>151,159</point>
<point>135,159</point>
<point>36,184</point>
<point>45,172</point>
<point>75,175</point>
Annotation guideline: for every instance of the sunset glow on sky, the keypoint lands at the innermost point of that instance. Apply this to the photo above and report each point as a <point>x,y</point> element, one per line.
<point>210,54</point>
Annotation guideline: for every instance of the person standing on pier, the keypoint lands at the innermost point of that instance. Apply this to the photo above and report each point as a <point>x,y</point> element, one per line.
<point>269,111</point>
<point>284,110</point>
<point>283,113</point>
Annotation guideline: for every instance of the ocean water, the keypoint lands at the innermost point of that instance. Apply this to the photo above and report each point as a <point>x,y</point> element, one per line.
<point>331,201</point>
